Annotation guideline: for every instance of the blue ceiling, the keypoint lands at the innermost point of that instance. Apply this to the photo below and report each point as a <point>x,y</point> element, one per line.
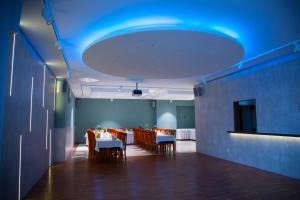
<point>258,25</point>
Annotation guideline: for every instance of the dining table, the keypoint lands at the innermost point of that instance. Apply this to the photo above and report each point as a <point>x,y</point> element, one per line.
<point>106,140</point>
<point>162,137</point>
<point>130,137</point>
<point>87,139</point>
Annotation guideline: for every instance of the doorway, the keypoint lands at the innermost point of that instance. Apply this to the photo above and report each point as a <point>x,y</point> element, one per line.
<point>185,117</point>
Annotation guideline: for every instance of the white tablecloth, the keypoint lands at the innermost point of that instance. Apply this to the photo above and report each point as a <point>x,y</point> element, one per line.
<point>129,137</point>
<point>164,138</point>
<point>186,134</point>
<point>87,139</point>
<point>106,140</point>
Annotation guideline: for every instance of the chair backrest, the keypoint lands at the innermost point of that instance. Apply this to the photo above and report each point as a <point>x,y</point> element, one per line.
<point>92,140</point>
<point>123,137</point>
<point>111,130</point>
<point>172,132</point>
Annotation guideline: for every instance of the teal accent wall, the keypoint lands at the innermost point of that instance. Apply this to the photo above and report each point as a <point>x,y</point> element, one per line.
<point>166,113</point>
<point>128,113</point>
<point>115,114</point>
<point>185,116</point>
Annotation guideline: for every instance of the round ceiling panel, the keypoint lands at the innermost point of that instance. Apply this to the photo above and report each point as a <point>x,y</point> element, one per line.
<point>163,54</point>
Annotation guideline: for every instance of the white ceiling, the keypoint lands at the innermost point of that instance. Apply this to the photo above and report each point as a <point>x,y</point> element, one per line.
<point>173,42</point>
<point>163,54</point>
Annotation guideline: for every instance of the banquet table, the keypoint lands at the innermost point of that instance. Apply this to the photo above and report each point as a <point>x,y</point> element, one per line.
<point>107,140</point>
<point>186,134</point>
<point>160,137</point>
<point>87,139</point>
<point>130,139</point>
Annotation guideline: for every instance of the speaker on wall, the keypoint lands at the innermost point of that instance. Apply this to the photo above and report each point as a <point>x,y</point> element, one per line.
<point>197,91</point>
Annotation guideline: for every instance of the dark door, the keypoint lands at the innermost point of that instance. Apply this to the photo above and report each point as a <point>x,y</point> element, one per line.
<point>185,117</point>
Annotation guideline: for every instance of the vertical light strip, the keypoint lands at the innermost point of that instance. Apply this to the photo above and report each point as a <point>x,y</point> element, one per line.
<point>20,168</point>
<point>12,65</point>
<point>44,83</point>
<point>31,97</point>
<point>54,95</point>
<point>47,130</point>
<point>50,148</point>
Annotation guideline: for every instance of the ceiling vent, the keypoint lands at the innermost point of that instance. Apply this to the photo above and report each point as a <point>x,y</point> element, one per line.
<point>137,92</point>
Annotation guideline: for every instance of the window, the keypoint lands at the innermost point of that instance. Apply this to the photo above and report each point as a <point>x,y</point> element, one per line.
<point>245,116</point>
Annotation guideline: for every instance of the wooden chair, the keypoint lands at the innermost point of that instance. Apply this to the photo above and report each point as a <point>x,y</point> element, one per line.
<point>153,144</point>
<point>171,144</point>
<point>173,132</point>
<point>123,138</point>
<point>91,129</point>
<point>92,143</point>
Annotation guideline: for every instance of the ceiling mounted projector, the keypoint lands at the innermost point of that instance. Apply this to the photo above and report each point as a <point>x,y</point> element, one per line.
<point>137,92</point>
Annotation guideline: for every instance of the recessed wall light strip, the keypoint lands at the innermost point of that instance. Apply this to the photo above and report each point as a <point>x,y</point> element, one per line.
<point>47,119</point>
<point>274,54</point>
<point>20,167</point>
<point>265,134</point>
<point>34,53</point>
<point>50,147</point>
<point>31,99</point>
<point>12,64</point>
<point>23,38</point>
<point>44,83</point>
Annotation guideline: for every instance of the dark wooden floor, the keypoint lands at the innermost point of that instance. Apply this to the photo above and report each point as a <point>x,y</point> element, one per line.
<point>186,176</point>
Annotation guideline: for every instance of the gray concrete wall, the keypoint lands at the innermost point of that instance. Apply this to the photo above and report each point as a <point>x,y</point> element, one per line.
<point>9,21</point>
<point>277,93</point>
<point>35,149</point>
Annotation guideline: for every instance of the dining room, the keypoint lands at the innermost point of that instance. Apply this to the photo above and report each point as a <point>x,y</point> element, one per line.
<point>139,127</point>
<point>149,99</point>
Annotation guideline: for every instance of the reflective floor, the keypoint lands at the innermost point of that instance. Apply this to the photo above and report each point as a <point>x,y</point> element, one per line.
<point>184,176</point>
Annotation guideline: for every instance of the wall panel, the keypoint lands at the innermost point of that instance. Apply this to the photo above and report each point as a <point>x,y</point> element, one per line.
<point>17,122</point>
<point>277,93</point>
<point>166,112</point>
